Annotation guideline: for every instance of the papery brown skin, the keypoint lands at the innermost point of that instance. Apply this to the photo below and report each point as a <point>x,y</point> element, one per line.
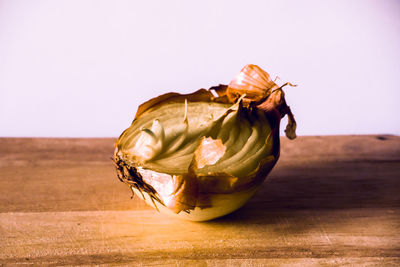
<point>191,189</point>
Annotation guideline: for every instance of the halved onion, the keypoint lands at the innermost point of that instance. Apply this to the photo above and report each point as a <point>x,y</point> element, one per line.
<point>203,155</point>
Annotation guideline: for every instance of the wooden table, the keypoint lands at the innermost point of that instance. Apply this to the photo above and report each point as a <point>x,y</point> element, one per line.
<point>331,200</point>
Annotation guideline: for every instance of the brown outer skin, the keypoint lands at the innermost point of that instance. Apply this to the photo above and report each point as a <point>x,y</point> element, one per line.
<point>191,189</point>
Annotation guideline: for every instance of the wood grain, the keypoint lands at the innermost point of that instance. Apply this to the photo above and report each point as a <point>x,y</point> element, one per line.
<point>332,200</point>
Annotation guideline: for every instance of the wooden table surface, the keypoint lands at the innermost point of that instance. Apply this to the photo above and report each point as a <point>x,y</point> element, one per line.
<point>332,200</point>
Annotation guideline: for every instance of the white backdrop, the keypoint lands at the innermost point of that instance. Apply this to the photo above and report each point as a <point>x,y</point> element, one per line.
<point>81,68</point>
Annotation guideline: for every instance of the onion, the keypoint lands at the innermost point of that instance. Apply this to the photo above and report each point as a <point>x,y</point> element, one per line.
<point>203,155</point>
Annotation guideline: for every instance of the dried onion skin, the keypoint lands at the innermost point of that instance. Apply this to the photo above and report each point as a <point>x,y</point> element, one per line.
<point>202,155</point>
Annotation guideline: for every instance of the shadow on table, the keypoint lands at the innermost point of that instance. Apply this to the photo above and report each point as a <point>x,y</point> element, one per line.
<point>327,187</point>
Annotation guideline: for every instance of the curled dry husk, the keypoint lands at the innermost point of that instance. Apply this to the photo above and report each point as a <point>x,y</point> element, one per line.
<point>203,155</point>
